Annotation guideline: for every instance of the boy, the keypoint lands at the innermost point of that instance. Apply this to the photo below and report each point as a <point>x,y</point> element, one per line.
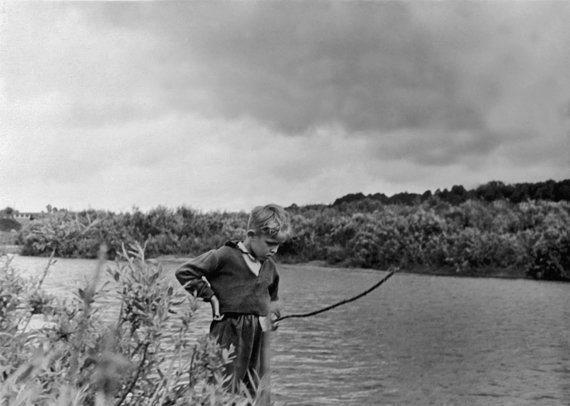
<point>240,281</point>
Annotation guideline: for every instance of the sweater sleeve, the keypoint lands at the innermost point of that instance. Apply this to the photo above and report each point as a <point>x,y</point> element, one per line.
<point>194,273</point>
<point>274,288</point>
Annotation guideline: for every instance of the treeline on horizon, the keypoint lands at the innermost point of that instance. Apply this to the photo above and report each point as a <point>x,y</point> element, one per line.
<point>519,230</point>
<point>495,190</point>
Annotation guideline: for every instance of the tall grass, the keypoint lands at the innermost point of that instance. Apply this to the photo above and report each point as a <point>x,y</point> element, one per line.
<point>143,356</point>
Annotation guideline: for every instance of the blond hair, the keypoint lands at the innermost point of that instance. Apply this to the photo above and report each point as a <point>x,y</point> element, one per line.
<point>271,220</point>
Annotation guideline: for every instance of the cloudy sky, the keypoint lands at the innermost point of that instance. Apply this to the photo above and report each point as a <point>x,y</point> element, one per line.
<point>229,104</point>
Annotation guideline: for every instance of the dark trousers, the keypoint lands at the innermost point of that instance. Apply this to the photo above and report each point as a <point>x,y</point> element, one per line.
<point>243,332</point>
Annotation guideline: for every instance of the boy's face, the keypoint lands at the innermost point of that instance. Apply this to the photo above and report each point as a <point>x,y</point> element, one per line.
<point>263,246</point>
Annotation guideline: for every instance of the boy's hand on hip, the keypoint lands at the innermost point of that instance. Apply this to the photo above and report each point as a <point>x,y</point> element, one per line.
<point>215,303</point>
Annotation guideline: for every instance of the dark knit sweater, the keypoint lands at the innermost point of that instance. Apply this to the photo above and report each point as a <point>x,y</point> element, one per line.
<point>227,276</point>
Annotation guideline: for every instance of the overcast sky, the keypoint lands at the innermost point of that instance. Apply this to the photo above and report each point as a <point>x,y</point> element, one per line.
<point>226,105</point>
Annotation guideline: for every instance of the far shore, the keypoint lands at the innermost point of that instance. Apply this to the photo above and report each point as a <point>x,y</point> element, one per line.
<point>474,273</point>
<point>10,249</point>
<point>449,271</point>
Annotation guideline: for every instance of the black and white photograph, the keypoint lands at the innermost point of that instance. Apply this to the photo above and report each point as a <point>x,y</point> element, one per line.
<point>285,202</point>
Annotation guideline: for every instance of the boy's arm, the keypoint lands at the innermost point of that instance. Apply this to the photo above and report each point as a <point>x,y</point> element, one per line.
<point>194,273</point>
<point>274,289</point>
<point>274,310</point>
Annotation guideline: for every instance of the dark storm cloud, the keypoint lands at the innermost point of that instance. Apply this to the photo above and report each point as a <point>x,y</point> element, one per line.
<point>365,66</point>
<point>315,99</point>
<point>432,148</point>
<point>437,70</point>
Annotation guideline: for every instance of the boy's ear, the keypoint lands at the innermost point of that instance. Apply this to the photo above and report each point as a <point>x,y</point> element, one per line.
<point>251,233</point>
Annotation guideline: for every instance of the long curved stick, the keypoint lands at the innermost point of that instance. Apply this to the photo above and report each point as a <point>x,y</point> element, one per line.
<point>352,299</point>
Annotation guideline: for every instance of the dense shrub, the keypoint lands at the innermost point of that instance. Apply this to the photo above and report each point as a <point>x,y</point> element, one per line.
<point>531,236</point>
<point>9,224</point>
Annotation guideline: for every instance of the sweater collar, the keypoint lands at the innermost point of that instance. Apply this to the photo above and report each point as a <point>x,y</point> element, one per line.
<point>239,245</point>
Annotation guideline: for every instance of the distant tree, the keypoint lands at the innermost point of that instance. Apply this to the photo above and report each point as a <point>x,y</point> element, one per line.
<point>520,193</point>
<point>426,195</point>
<point>458,194</point>
<point>491,191</point>
<point>562,191</point>
<point>442,194</point>
<point>381,197</point>
<point>8,212</point>
<point>8,224</point>
<point>405,198</point>
<point>546,190</point>
<point>351,197</point>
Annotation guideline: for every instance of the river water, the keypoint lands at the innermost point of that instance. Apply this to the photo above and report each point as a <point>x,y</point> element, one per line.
<point>417,340</point>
